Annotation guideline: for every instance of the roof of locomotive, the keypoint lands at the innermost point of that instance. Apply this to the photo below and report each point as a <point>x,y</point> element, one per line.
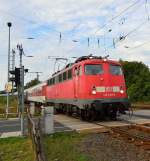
<point>86,60</point>
<point>99,61</point>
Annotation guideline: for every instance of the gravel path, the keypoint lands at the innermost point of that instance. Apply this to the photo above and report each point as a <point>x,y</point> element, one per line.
<point>102,147</point>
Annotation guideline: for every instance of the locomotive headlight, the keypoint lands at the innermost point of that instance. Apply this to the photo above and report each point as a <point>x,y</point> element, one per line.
<point>121,91</point>
<point>94,90</point>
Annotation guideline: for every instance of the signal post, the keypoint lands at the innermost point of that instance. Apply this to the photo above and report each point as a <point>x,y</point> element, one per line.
<point>18,78</point>
<point>21,89</point>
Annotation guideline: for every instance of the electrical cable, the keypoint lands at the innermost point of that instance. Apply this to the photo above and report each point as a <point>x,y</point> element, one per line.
<point>119,14</point>
<point>135,47</point>
<point>138,27</point>
<point>129,33</point>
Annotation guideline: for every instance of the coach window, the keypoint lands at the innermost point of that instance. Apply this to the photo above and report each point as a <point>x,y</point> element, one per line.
<point>64,76</point>
<point>69,73</point>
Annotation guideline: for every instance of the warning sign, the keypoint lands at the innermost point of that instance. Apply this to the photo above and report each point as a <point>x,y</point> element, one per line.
<point>8,87</point>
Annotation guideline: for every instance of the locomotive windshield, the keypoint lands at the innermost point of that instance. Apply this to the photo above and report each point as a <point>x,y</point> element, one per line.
<point>115,69</point>
<point>93,69</point>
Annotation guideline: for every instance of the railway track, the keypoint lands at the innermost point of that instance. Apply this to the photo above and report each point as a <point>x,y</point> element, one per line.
<point>138,134</point>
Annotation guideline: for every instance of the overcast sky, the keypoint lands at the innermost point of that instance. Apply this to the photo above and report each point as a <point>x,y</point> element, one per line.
<point>76,20</point>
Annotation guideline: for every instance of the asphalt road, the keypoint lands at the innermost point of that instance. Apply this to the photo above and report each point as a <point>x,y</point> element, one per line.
<point>13,125</point>
<point>10,125</point>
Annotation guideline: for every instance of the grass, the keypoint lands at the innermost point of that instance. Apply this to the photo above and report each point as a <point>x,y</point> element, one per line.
<point>16,149</point>
<point>141,105</point>
<point>12,101</point>
<point>64,147</point>
<point>12,106</point>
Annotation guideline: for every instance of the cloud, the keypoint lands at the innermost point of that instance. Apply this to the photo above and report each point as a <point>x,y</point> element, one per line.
<point>76,20</point>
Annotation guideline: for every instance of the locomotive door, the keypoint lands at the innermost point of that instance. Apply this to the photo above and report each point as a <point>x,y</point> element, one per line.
<point>76,79</point>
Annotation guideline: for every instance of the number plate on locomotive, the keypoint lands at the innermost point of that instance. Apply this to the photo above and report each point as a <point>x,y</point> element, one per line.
<point>108,89</point>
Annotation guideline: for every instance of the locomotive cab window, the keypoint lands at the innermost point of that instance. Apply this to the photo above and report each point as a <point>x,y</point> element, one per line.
<point>93,69</point>
<point>115,69</point>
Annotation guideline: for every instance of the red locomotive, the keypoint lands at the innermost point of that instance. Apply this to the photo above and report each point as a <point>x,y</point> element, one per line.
<point>92,87</point>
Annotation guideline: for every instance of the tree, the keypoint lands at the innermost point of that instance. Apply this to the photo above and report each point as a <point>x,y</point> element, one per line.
<point>32,83</point>
<point>137,76</point>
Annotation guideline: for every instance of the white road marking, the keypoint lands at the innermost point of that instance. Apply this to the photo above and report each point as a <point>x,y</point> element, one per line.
<point>10,134</point>
<point>1,126</point>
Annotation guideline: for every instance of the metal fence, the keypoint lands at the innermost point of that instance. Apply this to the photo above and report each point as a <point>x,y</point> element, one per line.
<point>35,132</point>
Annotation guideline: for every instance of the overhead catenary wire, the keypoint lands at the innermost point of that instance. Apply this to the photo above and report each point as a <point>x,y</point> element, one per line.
<point>108,50</point>
<point>34,22</point>
<point>115,17</point>
<point>137,28</point>
<point>137,46</point>
<point>118,15</point>
<point>128,34</point>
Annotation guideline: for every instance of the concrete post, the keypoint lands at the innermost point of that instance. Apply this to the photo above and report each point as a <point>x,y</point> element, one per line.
<point>49,120</point>
<point>32,108</point>
<point>42,111</point>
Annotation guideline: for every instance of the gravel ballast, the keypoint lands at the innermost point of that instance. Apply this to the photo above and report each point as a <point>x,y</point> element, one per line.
<point>104,147</point>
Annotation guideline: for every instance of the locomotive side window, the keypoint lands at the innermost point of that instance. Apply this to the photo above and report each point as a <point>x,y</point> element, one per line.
<point>69,73</point>
<point>56,79</point>
<point>76,72</point>
<point>93,69</point>
<point>60,77</point>
<point>115,69</point>
<point>53,80</point>
<point>64,76</point>
<point>50,82</point>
